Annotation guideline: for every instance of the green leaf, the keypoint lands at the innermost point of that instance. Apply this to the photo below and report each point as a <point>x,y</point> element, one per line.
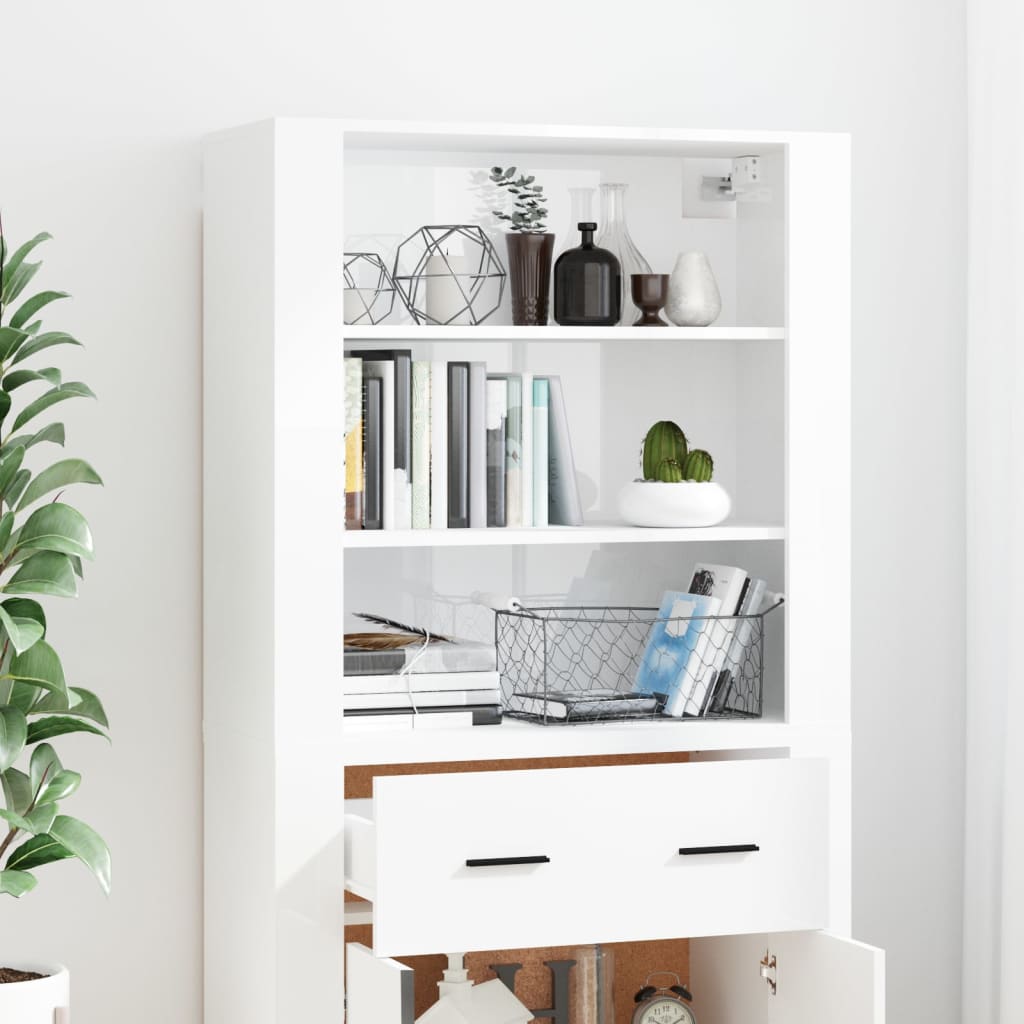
<point>73,389</point>
<point>80,702</point>
<point>21,480</point>
<point>14,380</point>
<point>60,474</point>
<point>19,254</point>
<point>18,281</point>
<point>46,340</point>
<point>60,787</point>
<point>40,818</point>
<point>45,572</point>
<point>13,735</point>
<point>10,339</point>
<point>9,466</point>
<point>5,405</point>
<point>33,305</point>
<point>6,525</point>
<point>38,851</point>
<point>17,790</point>
<point>22,632</point>
<point>16,883</point>
<point>24,695</point>
<point>45,765</point>
<point>58,725</point>
<point>15,821</point>
<point>54,432</point>
<point>86,845</point>
<point>25,608</point>
<point>57,527</point>
<point>39,666</point>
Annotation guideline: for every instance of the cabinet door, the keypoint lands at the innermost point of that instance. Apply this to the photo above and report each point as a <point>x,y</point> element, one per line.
<point>819,978</point>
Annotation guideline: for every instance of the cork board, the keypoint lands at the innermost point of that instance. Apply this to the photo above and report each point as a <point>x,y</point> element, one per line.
<point>633,960</point>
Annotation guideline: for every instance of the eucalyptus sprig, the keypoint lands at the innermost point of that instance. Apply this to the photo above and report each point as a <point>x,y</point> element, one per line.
<point>529,208</point>
<point>42,547</point>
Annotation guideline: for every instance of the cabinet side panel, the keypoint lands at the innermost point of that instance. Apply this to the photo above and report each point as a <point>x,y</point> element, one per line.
<point>818,430</point>
<point>238,578</point>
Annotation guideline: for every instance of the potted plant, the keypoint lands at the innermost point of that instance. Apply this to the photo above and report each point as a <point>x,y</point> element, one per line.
<point>43,542</point>
<point>676,489</point>
<point>530,246</point>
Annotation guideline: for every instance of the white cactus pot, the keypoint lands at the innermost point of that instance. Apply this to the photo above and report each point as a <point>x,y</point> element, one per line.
<point>42,1001</point>
<point>653,503</point>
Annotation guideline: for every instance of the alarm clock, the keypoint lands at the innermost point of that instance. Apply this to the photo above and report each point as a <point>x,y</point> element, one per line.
<point>656,1005</point>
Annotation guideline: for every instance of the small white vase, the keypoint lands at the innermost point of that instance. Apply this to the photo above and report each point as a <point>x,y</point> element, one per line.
<point>687,503</point>
<point>693,297</point>
<point>43,1001</point>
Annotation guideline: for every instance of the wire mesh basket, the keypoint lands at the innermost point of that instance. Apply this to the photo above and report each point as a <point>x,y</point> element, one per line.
<point>563,666</point>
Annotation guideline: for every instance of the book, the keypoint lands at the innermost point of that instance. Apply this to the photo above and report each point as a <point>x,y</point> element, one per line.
<point>595,703</point>
<point>439,445</point>
<point>455,656</point>
<point>426,718</point>
<point>526,450</point>
<point>477,444</point>
<point>497,423</point>
<point>384,371</point>
<point>401,433</point>
<point>373,498</point>
<point>732,673</point>
<point>423,682</point>
<point>513,447</point>
<point>354,483</point>
<point>444,698</point>
<point>677,641</point>
<point>458,445</point>
<point>564,508</point>
<point>541,390</point>
<point>421,436</point>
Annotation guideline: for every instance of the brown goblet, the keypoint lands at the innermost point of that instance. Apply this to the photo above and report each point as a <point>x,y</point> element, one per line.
<point>649,293</point>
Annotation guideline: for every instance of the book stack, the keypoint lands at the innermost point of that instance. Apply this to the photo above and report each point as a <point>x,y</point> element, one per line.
<point>447,445</point>
<point>425,684</point>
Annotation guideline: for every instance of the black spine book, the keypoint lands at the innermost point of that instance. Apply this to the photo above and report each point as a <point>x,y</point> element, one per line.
<point>458,446</point>
<point>402,359</point>
<point>372,473</point>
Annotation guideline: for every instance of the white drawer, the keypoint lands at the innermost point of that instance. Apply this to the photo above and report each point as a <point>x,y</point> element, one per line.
<point>600,851</point>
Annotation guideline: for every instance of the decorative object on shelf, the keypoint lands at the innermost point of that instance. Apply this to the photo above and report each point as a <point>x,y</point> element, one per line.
<point>668,1005</point>
<point>463,1002</point>
<point>649,294</point>
<point>588,284</point>
<point>530,246</point>
<point>581,208</point>
<point>369,290</point>
<point>693,296</point>
<point>593,986</point>
<point>391,641</point>
<point>676,489</point>
<point>559,1010</point>
<point>43,542</point>
<point>444,287</point>
<point>616,239</point>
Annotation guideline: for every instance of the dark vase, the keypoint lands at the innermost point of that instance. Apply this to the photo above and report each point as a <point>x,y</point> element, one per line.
<point>588,284</point>
<point>649,294</point>
<point>529,268</point>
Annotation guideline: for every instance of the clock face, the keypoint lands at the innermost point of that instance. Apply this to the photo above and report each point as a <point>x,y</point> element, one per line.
<point>664,1010</point>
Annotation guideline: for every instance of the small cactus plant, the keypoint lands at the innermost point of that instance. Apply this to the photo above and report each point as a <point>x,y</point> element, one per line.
<point>698,466</point>
<point>667,459</point>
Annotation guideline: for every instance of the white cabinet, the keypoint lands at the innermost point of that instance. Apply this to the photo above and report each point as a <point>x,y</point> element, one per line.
<point>766,389</point>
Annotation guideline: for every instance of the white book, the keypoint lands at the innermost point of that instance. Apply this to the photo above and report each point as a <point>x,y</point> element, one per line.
<point>420,444</point>
<point>526,477</point>
<point>425,682</point>
<point>541,391</point>
<point>445,699</point>
<point>477,445</point>
<point>729,585</point>
<point>404,723</point>
<point>564,508</point>
<point>439,445</point>
<point>385,370</point>
<point>731,675</point>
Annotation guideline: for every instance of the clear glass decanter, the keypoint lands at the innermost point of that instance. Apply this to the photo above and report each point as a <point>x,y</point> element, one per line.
<point>615,238</point>
<point>582,202</point>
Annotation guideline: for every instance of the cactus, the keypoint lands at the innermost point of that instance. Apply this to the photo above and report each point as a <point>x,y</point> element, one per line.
<point>665,441</point>
<point>698,466</point>
<point>669,472</point>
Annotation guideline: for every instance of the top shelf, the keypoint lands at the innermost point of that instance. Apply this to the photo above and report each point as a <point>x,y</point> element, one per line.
<point>380,333</point>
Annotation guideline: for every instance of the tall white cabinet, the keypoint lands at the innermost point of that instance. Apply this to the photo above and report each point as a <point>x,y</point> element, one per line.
<point>766,389</point>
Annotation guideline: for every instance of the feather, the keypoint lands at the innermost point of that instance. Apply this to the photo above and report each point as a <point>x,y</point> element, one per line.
<point>417,632</point>
<point>380,641</point>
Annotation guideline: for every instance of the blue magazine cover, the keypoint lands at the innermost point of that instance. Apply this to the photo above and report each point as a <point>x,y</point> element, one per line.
<point>673,656</point>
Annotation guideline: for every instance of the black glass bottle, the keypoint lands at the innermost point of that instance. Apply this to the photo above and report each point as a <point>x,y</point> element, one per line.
<point>588,284</point>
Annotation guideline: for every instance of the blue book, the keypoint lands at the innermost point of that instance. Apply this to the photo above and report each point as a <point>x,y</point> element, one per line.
<point>675,652</point>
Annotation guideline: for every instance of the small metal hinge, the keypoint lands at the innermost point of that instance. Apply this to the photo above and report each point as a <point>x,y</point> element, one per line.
<point>768,970</point>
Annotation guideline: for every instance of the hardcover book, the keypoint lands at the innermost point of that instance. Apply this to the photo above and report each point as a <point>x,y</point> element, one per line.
<point>513,449</point>
<point>354,485</point>
<point>384,371</point>
<point>597,703</point>
<point>526,450</point>
<point>477,444</point>
<point>541,390</point>
<point>497,423</point>
<point>439,445</point>
<point>420,445</point>
<point>564,508</point>
<point>433,699</point>
<point>373,444</point>
<point>458,445</point>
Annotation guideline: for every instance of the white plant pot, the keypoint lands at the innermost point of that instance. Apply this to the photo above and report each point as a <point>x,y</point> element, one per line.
<point>653,503</point>
<point>42,1001</point>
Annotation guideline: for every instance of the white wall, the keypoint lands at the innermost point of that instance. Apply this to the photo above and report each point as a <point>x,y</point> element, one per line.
<point>104,106</point>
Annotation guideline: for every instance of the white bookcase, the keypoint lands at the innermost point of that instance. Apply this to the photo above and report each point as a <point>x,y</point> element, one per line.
<point>766,389</point>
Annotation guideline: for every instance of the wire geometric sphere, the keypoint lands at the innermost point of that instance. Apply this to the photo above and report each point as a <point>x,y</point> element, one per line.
<point>369,290</point>
<point>440,288</point>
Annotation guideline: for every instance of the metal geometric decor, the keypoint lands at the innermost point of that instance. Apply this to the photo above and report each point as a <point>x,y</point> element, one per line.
<point>449,274</point>
<point>369,290</point>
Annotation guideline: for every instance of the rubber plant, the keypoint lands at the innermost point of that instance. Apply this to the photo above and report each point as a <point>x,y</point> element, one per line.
<point>43,543</point>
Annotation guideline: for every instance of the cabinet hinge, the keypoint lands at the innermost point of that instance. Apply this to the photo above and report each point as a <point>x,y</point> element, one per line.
<point>768,970</point>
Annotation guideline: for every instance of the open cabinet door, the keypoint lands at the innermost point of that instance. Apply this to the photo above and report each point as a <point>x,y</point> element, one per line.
<point>819,978</point>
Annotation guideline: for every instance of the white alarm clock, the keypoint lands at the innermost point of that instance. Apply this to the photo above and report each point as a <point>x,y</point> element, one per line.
<point>656,1005</point>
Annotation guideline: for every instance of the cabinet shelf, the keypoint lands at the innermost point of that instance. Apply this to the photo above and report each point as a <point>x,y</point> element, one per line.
<point>381,333</point>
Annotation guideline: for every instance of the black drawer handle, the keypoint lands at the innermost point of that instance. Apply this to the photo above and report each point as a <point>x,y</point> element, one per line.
<point>490,862</point>
<point>693,851</point>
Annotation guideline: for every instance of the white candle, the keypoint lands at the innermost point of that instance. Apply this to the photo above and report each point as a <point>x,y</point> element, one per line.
<point>357,302</point>
<point>447,296</point>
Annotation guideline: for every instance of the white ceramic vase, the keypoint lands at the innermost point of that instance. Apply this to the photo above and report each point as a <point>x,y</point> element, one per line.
<point>687,503</point>
<point>693,297</point>
<point>43,1001</point>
